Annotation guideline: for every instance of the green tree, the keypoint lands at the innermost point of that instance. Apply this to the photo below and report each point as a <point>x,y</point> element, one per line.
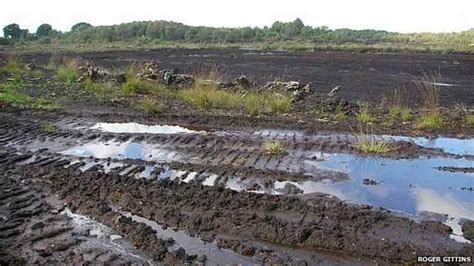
<point>81,26</point>
<point>44,30</point>
<point>12,31</point>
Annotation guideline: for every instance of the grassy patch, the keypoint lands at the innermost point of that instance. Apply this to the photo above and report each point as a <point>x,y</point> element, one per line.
<point>149,105</point>
<point>133,86</point>
<point>364,116</point>
<point>12,65</point>
<point>279,104</point>
<point>206,95</point>
<point>48,127</point>
<point>272,147</point>
<point>429,120</point>
<point>367,142</point>
<point>372,144</point>
<point>253,104</point>
<point>470,120</point>
<point>68,72</point>
<point>9,93</point>
<point>429,91</point>
<point>43,103</point>
<point>405,114</point>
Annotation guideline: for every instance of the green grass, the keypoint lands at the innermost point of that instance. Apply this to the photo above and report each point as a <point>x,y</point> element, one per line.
<point>133,86</point>
<point>149,105</point>
<point>12,65</point>
<point>206,95</point>
<point>367,142</point>
<point>9,93</point>
<point>68,72</point>
<point>340,114</point>
<point>364,116</point>
<point>429,120</point>
<point>470,120</point>
<point>371,144</point>
<point>48,127</point>
<point>405,114</point>
<point>253,104</point>
<point>272,147</point>
<point>394,111</point>
<point>103,91</point>
<point>45,104</point>
<point>279,104</point>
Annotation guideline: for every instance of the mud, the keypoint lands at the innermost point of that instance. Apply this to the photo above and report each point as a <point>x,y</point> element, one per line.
<point>110,185</point>
<point>263,212</point>
<point>362,76</point>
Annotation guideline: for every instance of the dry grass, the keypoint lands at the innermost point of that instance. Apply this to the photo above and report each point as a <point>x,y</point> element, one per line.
<point>68,72</point>
<point>429,90</point>
<point>272,147</point>
<point>206,95</point>
<point>364,116</point>
<point>368,142</point>
<point>470,120</point>
<point>429,120</point>
<point>149,105</point>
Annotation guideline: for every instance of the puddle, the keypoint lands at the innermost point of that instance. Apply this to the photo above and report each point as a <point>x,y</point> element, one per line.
<point>123,150</point>
<point>195,246</point>
<point>102,236</point>
<point>141,128</point>
<point>278,133</point>
<point>450,145</point>
<point>409,186</point>
<point>441,84</point>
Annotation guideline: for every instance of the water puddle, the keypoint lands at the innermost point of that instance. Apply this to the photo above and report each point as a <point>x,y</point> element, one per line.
<point>195,246</point>
<point>410,186</point>
<point>141,128</point>
<point>101,236</point>
<point>449,145</point>
<point>440,84</point>
<point>123,150</point>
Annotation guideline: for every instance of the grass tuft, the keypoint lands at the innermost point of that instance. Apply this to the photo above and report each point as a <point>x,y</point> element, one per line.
<point>45,104</point>
<point>367,142</point>
<point>429,91</point>
<point>429,120</point>
<point>48,127</point>
<point>279,104</point>
<point>206,95</point>
<point>364,116</point>
<point>68,72</point>
<point>9,93</point>
<point>149,105</point>
<point>470,120</point>
<point>272,147</point>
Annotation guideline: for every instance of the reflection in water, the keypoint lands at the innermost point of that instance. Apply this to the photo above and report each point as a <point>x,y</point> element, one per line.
<point>125,150</point>
<point>195,246</point>
<point>428,200</point>
<point>140,128</point>
<point>450,145</point>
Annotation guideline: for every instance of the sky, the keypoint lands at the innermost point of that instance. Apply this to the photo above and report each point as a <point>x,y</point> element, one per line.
<point>391,15</point>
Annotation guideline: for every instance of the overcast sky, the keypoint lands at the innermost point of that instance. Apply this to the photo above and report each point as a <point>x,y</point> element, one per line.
<point>393,15</point>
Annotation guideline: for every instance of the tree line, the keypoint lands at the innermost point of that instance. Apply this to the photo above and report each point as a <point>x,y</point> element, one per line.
<point>149,31</point>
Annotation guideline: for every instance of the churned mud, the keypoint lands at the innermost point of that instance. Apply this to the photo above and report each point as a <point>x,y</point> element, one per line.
<point>104,183</point>
<point>227,199</point>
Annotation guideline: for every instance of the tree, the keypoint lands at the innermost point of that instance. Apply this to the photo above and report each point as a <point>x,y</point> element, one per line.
<point>44,30</point>
<point>81,26</point>
<point>12,31</point>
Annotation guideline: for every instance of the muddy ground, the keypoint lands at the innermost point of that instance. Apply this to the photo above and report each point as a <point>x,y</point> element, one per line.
<point>83,185</point>
<point>366,77</point>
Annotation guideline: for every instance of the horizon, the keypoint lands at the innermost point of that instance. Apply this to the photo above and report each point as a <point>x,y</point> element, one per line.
<point>365,14</point>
